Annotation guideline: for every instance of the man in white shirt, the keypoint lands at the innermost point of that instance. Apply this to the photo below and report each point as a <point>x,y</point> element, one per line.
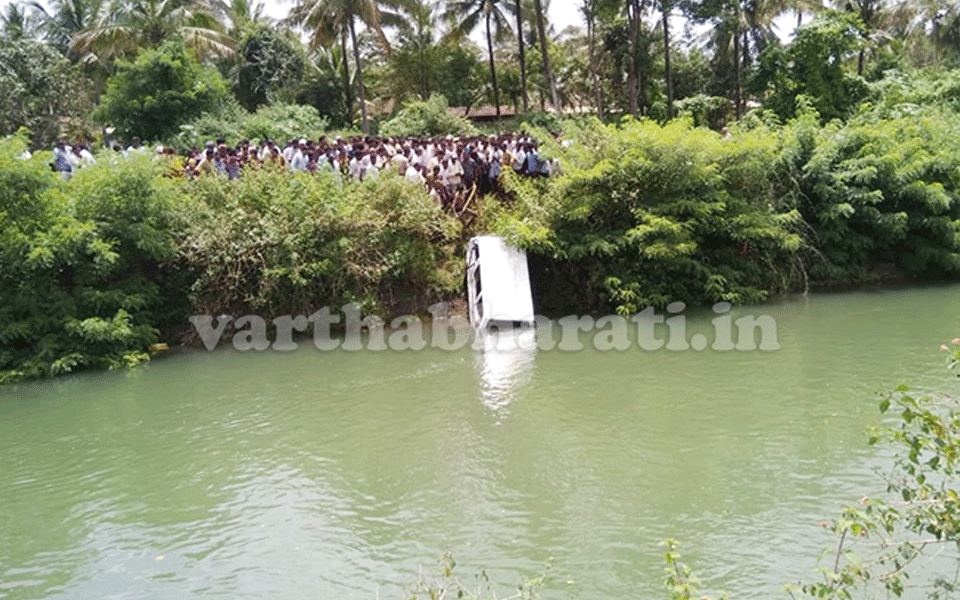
<point>289,151</point>
<point>454,173</point>
<point>413,174</point>
<point>300,159</point>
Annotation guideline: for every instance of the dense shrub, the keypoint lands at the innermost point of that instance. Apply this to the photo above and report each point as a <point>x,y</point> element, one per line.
<point>278,122</point>
<point>426,119</point>
<point>227,122</point>
<point>163,89</point>
<point>879,193</point>
<point>277,243</point>
<point>40,89</point>
<point>284,122</point>
<point>80,264</point>
<point>649,215</point>
<point>706,111</point>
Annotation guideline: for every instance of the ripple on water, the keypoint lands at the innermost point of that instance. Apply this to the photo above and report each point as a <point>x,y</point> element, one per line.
<point>333,475</point>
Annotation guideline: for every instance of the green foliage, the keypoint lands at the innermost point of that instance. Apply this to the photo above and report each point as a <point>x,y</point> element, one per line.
<point>163,89</point>
<point>812,67</point>
<point>879,193</point>
<point>272,67</point>
<point>885,542</point>
<point>426,119</point>
<point>277,243</point>
<point>902,94</point>
<point>421,69</point>
<point>284,122</point>
<point>538,120</point>
<point>650,214</point>
<point>40,88</point>
<point>276,122</point>
<point>463,78</point>
<point>81,277</point>
<point>227,122</point>
<point>706,111</point>
<point>680,581</point>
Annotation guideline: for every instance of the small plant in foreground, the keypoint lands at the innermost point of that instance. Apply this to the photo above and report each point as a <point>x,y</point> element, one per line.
<point>448,585</point>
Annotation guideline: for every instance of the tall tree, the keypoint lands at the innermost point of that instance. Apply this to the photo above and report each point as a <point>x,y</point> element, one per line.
<point>466,15</point>
<point>522,54</point>
<point>324,18</point>
<point>545,50</point>
<point>61,20</point>
<point>884,21</point>
<point>665,7</point>
<point>418,56</point>
<point>16,22</point>
<point>588,9</point>
<point>122,27</point>
<point>634,16</point>
<point>595,14</point>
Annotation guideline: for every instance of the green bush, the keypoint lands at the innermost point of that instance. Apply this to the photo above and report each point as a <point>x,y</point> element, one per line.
<point>426,119</point>
<point>227,123</point>
<point>277,243</point>
<point>706,111</point>
<point>649,214</point>
<point>284,122</point>
<point>879,193</point>
<point>40,88</point>
<point>81,279</point>
<point>162,89</point>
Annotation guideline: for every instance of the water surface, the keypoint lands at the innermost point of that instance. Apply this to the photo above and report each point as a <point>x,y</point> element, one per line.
<point>339,475</point>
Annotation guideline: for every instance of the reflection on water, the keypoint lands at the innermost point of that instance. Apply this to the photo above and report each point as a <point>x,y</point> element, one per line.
<point>505,360</point>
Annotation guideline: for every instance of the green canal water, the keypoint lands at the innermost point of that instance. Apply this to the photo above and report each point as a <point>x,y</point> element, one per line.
<point>339,475</point>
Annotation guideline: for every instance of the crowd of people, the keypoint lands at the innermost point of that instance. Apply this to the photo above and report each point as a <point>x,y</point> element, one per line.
<point>453,169</point>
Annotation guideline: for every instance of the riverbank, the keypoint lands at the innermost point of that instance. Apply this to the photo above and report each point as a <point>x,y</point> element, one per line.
<point>99,268</point>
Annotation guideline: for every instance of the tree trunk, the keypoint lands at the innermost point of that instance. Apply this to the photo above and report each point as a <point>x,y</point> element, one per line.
<point>594,70</point>
<point>666,57</point>
<point>860,58</point>
<point>547,71</point>
<point>633,76</point>
<point>738,86</point>
<point>356,58</point>
<point>347,88</point>
<point>493,69</point>
<point>523,56</point>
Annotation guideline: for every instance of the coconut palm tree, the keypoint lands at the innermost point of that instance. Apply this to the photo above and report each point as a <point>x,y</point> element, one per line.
<point>16,22</point>
<point>665,7</point>
<point>239,14</point>
<point>518,12</point>
<point>884,22</point>
<point>942,20</point>
<point>544,49</point>
<point>326,20</point>
<point>464,17</point>
<point>415,35</point>
<point>63,19</point>
<point>123,27</point>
